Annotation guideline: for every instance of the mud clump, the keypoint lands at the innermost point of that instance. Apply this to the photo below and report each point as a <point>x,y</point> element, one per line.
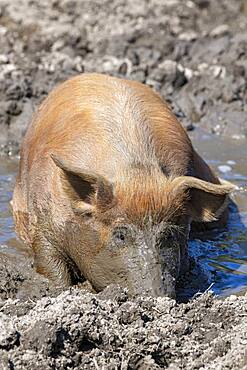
<point>192,52</point>
<point>44,327</point>
<point>79,330</point>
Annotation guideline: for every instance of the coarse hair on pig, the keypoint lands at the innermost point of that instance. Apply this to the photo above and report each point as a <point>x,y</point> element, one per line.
<point>109,185</point>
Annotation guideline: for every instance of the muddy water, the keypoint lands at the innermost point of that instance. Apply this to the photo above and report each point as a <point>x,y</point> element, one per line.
<point>8,242</point>
<point>223,256</point>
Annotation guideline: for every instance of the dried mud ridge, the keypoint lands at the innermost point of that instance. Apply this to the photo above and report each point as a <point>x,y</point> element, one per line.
<point>192,52</point>
<point>43,327</point>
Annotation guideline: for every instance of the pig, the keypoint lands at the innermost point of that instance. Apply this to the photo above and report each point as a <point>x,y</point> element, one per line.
<point>109,185</point>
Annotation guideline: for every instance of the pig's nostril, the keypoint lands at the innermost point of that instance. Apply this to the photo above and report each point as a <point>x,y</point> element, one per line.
<point>120,236</point>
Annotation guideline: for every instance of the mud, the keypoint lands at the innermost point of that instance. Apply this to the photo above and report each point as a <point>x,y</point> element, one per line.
<point>79,330</point>
<point>194,54</point>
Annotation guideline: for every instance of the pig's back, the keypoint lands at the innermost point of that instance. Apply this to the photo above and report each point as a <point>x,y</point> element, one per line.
<point>103,123</point>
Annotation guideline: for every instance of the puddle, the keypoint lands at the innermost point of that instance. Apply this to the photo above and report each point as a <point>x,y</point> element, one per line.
<point>8,241</point>
<point>223,255</point>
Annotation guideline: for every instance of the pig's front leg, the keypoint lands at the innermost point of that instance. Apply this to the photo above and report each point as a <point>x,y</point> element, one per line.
<point>54,265</point>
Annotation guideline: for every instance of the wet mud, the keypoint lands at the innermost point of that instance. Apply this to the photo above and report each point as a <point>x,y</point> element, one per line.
<point>78,330</point>
<point>194,54</point>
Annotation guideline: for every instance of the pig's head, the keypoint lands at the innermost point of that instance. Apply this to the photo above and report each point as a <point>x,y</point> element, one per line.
<point>134,230</point>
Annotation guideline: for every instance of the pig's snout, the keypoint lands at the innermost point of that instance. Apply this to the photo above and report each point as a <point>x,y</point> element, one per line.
<point>139,266</point>
<point>145,275</point>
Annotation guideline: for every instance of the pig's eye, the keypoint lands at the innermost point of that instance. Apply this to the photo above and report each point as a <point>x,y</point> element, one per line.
<point>120,235</point>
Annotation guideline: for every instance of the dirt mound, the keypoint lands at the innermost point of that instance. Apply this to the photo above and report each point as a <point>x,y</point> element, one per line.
<point>43,327</point>
<point>80,330</point>
<point>193,52</point>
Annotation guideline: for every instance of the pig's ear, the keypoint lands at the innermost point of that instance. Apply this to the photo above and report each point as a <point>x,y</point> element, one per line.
<point>207,201</point>
<point>86,189</point>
